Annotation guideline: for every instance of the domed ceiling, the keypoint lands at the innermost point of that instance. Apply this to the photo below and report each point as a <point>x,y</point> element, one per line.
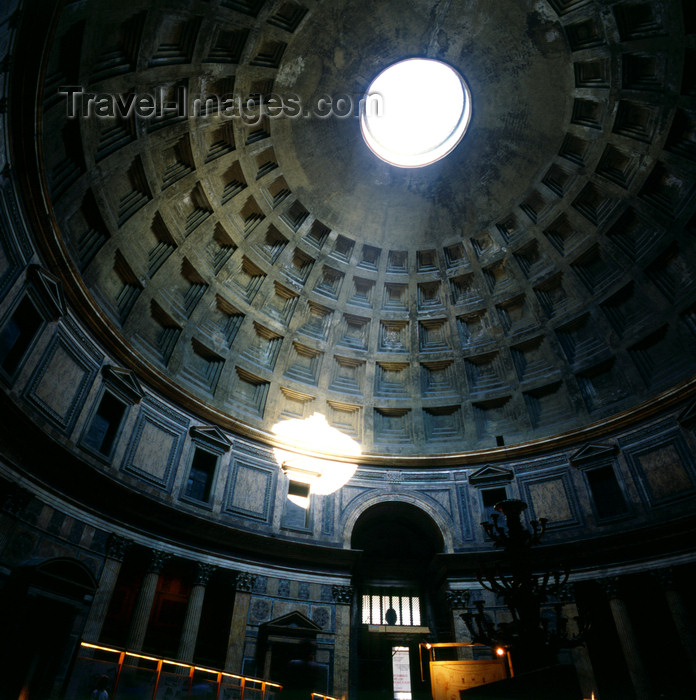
<point>537,280</point>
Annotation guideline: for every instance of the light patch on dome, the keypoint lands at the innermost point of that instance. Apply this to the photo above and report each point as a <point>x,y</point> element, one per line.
<point>289,72</point>
<point>315,435</point>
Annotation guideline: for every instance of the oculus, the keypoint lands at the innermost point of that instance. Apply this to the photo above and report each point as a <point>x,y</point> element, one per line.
<point>415,112</point>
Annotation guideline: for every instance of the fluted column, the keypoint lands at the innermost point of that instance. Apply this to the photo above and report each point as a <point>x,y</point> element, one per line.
<point>143,605</point>
<point>15,500</point>
<point>679,614</point>
<point>192,621</point>
<point>235,645</point>
<point>624,628</point>
<point>115,552</point>
<point>581,657</point>
<point>343,597</point>
<point>458,600</point>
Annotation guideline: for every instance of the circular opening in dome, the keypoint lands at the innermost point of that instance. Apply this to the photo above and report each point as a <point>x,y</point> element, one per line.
<point>415,112</point>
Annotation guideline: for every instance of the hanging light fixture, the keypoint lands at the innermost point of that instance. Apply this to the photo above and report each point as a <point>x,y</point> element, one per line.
<point>524,589</point>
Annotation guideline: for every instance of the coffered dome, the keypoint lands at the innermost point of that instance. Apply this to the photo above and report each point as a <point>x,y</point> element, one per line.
<point>255,376</point>
<point>536,281</point>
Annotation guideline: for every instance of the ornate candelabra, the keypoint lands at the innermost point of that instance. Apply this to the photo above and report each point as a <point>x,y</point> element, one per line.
<point>533,639</point>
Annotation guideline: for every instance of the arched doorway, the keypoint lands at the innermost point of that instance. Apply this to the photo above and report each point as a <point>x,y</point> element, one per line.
<point>395,607</point>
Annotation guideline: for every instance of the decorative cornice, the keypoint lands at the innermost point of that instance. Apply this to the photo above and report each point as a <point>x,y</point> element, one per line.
<point>592,452</point>
<point>293,620</point>
<point>124,382</point>
<point>212,436</point>
<point>49,290</point>
<point>491,474</point>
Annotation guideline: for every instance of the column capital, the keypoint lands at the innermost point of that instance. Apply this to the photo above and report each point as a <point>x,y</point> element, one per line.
<point>16,499</point>
<point>203,573</point>
<point>611,587</point>
<point>343,595</point>
<point>458,600</point>
<point>157,561</point>
<point>117,546</point>
<point>245,582</point>
<point>665,577</point>
<point>566,593</point>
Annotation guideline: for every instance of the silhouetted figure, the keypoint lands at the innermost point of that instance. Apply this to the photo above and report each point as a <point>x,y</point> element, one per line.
<point>100,692</point>
<point>303,675</point>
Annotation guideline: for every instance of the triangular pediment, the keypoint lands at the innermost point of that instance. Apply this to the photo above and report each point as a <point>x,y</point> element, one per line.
<point>688,415</point>
<point>48,289</point>
<point>294,620</point>
<point>210,435</point>
<point>592,452</point>
<point>124,382</point>
<point>490,474</point>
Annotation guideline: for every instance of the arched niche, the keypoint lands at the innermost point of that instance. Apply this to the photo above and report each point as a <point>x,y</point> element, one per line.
<point>396,577</point>
<point>398,541</point>
<point>437,520</point>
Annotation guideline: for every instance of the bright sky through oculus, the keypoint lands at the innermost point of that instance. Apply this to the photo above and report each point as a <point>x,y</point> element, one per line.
<point>425,110</point>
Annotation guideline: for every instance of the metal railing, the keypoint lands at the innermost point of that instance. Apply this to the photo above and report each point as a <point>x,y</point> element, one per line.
<point>129,675</point>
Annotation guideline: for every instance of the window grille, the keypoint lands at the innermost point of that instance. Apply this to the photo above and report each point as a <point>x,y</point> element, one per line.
<point>376,609</point>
